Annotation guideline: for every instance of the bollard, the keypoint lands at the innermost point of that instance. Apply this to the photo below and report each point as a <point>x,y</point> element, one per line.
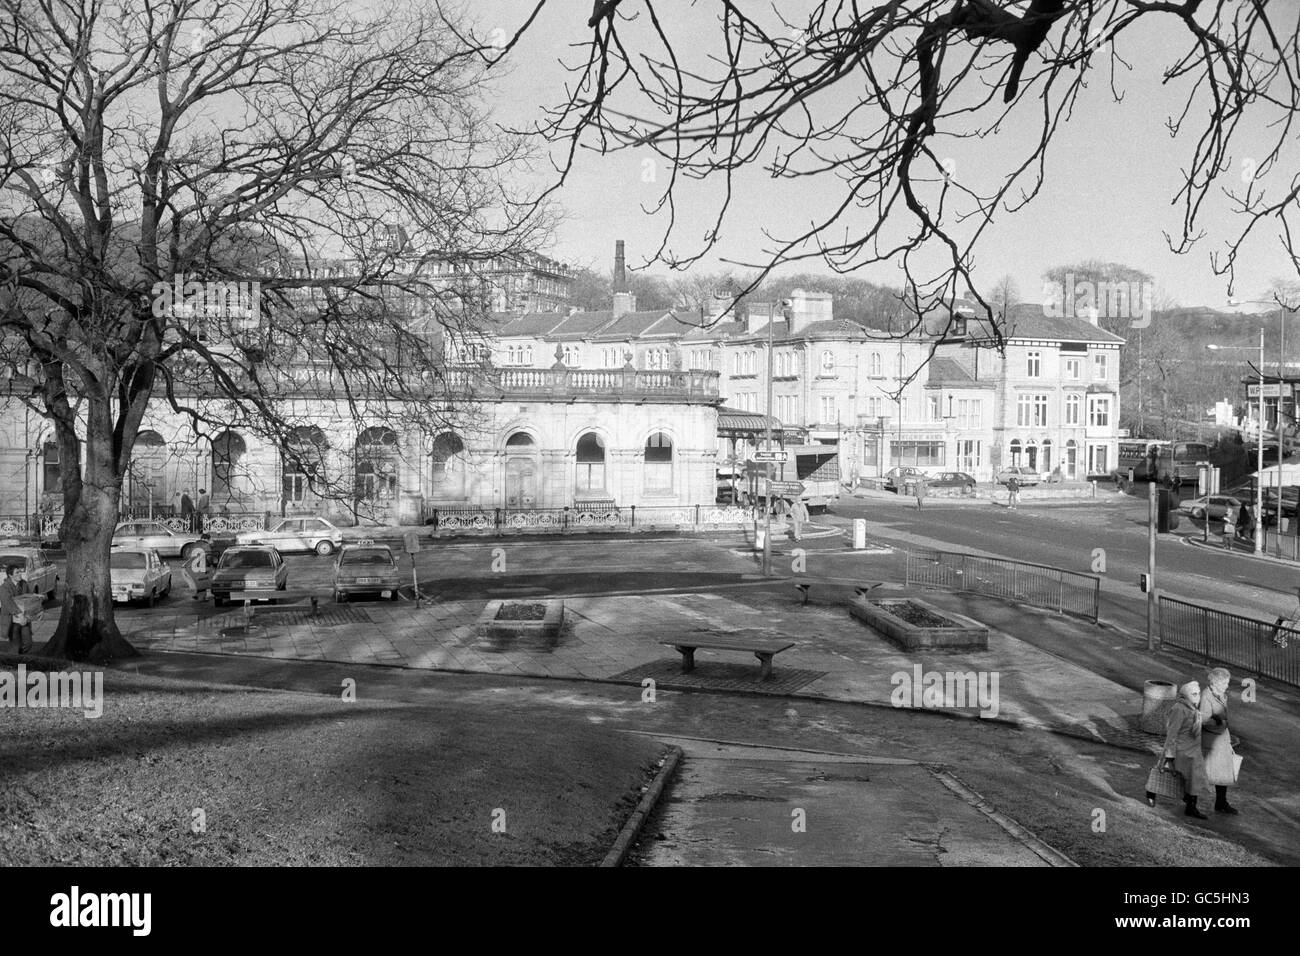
<point>759,535</point>
<point>859,533</point>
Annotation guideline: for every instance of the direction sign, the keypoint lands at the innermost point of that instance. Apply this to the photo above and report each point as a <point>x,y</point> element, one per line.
<point>792,488</point>
<point>1270,391</point>
<point>771,456</point>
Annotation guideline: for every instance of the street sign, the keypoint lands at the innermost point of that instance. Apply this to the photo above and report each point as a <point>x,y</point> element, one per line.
<point>792,488</point>
<point>412,541</point>
<point>762,456</point>
<point>1270,391</point>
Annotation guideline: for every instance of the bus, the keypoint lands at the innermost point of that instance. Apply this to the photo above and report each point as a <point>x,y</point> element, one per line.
<point>1141,455</point>
<point>816,466</point>
<point>1162,461</point>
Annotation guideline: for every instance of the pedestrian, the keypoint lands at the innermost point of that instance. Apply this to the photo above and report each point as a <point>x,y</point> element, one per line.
<point>1287,625</point>
<point>187,509</point>
<point>204,502</point>
<point>1220,761</point>
<point>1182,752</point>
<point>13,622</point>
<point>920,491</point>
<point>1246,523</point>
<point>798,515</point>
<point>1229,526</point>
<point>1013,493</point>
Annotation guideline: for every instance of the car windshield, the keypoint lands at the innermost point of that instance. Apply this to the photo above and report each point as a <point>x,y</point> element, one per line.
<point>238,560</point>
<point>126,561</point>
<point>367,557</point>
<point>8,559</point>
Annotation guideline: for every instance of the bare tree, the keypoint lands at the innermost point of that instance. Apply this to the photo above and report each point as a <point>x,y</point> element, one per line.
<point>873,96</point>
<point>308,157</point>
<point>1004,295</point>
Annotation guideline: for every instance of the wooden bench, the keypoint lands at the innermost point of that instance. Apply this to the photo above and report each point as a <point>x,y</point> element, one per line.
<point>247,597</point>
<point>763,650</point>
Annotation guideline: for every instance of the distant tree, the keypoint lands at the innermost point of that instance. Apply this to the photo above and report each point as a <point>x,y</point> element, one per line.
<point>1004,294</point>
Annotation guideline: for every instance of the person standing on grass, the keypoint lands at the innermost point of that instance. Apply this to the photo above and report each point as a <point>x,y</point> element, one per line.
<point>1219,763</point>
<point>798,515</point>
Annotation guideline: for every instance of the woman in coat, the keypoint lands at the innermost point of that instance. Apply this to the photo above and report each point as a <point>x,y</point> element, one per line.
<point>1183,746</point>
<point>1215,738</point>
<point>18,634</point>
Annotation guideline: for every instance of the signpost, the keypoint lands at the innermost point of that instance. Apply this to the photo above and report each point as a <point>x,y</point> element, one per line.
<point>412,542</point>
<point>771,456</point>
<point>786,489</point>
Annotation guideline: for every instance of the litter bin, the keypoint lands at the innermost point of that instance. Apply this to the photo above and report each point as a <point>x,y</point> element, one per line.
<point>1158,698</point>
<point>859,533</point>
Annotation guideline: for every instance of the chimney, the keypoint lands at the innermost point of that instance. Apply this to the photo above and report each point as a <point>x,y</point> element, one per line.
<point>624,301</point>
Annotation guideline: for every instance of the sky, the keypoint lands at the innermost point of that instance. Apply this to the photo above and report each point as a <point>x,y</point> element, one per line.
<point>1112,172</point>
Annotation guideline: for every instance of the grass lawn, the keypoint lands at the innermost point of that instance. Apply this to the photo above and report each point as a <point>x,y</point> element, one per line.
<point>289,778</point>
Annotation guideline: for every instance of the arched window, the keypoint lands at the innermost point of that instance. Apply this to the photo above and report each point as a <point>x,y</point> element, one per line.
<point>376,460</point>
<point>1031,454</point>
<point>658,464</point>
<point>1015,451</point>
<point>902,365</point>
<point>227,450</point>
<point>591,464</point>
<point>876,366</point>
<point>51,474</point>
<point>445,449</point>
<point>828,361</point>
<point>1047,454</point>
<point>148,470</point>
<point>302,462</point>
<point>520,441</point>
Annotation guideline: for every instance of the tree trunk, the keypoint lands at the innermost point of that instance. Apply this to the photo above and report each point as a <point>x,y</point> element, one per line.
<point>87,630</point>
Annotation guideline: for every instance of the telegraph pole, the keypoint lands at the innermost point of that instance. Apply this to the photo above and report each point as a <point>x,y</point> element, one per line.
<point>1152,510</point>
<point>767,467</point>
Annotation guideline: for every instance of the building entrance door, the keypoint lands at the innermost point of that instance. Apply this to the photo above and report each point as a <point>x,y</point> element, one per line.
<point>521,482</point>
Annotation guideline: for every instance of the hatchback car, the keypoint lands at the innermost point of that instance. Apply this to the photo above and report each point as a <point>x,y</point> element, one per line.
<point>1216,506</point>
<point>247,567</point>
<point>156,536</point>
<point>34,569</point>
<point>953,479</point>
<point>896,479</point>
<point>297,534</point>
<point>365,569</point>
<point>138,574</point>
<point>1025,475</point>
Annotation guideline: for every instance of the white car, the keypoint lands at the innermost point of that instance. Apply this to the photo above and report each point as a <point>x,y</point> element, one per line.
<point>156,536</point>
<point>297,534</point>
<point>138,574</point>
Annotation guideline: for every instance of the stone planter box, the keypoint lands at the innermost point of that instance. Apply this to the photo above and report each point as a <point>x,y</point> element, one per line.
<point>963,633</point>
<point>491,625</point>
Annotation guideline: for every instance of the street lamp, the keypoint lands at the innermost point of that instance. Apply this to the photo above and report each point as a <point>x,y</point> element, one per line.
<point>1259,444</point>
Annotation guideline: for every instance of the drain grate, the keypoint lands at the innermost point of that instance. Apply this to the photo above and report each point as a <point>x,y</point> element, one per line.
<point>328,615</point>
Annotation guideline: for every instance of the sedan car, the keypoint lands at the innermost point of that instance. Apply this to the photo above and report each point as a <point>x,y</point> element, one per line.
<point>138,574</point>
<point>953,479</point>
<point>156,536</point>
<point>1022,473</point>
<point>297,534</point>
<point>365,568</point>
<point>33,568</point>
<point>896,479</point>
<point>248,567</point>
<point>1216,506</point>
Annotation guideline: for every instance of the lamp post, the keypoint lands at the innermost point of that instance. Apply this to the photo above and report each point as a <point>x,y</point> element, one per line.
<point>1259,444</point>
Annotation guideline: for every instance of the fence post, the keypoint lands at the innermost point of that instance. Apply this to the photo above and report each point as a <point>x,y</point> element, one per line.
<point>634,516</point>
<point>697,517</point>
<point>564,519</point>
<point>1060,592</point>
<point>496,519</point>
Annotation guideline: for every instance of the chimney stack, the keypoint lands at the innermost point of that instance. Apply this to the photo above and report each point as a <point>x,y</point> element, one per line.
<point>624,301</point>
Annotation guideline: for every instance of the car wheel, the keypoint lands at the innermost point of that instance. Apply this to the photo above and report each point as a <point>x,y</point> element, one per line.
<point>187,552</point>
<point>324,548</point>
<point>392,595</point>
<point>54,587</point>
<point>1198,513</point>
<point>283,585</point>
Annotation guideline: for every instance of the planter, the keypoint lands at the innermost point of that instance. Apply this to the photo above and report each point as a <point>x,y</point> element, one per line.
<point>914,624</point>
<point>537,620</point>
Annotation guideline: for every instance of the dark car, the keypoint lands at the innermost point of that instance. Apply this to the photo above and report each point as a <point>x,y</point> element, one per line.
<point>248,568</point>
<point>953,479</point>
<point>896,479</point>
<point>365,569</point>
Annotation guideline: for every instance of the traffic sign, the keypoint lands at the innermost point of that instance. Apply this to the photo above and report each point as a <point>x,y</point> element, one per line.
<point>771,456</point>
<point>792,488</point>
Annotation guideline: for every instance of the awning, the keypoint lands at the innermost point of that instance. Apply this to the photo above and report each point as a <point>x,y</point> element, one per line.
<point>733,421</point>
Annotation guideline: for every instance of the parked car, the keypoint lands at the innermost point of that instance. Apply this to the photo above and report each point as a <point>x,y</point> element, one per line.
<point>365,568</point>
<point>1022,473</point>
<point>953,479</point>
<point>297,534</point>
<point>138,574</point>
<point>156,536</point>
<point>896,479</point>
<point>1216,506</point>
<point>33,566</point>
<point>248,567</point>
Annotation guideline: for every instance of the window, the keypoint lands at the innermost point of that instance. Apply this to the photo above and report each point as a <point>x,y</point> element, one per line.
<point>934,407</point>
<point>445,449</point>
<point>968,456</point>
<point>903,415</point>
<point>1073,369</point>
<point>1099,366</point>
<point>302,462</point>
<point>828,362</point>
<point>969,412</point>
<point>572,356</point>
<point>658,464</point>
<point>876,368</point>
<point>375,473</point>
<point>1072,404</point>
<point>876,407</point>
<point>1031,410</point>
<point>736,363</point>
<point>918,454</point>
<point>227,449</point>
<point>51,475</point>
<point>902,365</point>
<point>1015,452</point>
<point>1035,365</point>
<point>1040,410</point>
<point>591,464</point>
<point>1099,412</point>
<point>828,413</point>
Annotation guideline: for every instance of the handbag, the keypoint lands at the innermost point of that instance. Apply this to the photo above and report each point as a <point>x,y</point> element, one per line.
<point>1168,783</point>
<point>20,619</point>
<point>1222,765</point>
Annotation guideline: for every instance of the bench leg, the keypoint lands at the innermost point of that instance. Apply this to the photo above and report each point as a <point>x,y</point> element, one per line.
<point>688,659</point>
<point>764,665</point>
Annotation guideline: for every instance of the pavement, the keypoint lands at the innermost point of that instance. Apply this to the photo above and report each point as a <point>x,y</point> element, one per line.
<point>1053,674</point>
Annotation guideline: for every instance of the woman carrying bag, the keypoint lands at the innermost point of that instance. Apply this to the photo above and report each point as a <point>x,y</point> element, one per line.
<point>1181,767</point>
<point>1221,764</point>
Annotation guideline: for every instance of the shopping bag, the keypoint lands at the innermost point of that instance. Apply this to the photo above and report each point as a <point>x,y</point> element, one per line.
<point>1221,764</point>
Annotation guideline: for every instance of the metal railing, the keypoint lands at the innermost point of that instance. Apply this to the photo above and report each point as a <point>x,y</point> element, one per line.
<point>1266,648</point>
<point>1066,592</point>
<point>460,520</point>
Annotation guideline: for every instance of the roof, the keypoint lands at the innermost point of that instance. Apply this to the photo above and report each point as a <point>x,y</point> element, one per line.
<point>632,325</point>
<point>1027,321</point>
<point>531,323</point>
<point>951,373</point>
